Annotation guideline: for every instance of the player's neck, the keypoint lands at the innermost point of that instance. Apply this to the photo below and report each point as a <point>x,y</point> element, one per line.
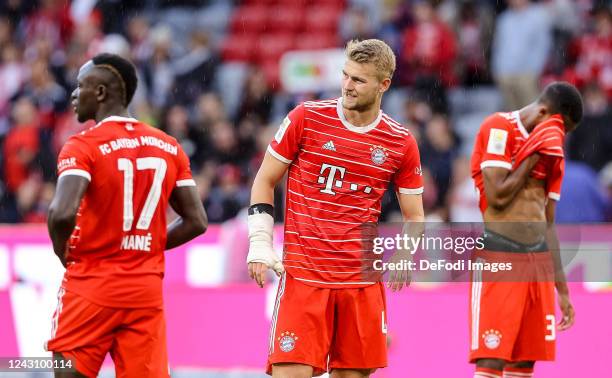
<point>105,112</point>
<point>525,115</point>
<point>361,118</point>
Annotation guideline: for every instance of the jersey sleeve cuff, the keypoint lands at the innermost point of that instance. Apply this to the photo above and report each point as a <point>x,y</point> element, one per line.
<point>186,182</point>
<point>75,172</point>
<point>554,196</point>
<point>278,156</point>
<point>495,164</point>
<point>411,190</point>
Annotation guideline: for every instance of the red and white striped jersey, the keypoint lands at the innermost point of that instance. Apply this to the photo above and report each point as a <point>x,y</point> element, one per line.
<point>499,139</point>
<point>337,176</point>
<point>498,143</point>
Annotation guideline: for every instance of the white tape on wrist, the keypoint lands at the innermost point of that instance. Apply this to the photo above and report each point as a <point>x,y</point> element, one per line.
<point>261,227</point>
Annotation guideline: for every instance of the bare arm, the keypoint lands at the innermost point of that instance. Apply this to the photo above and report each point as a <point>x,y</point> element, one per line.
<point>501,185</point>
<point>192,219</point>
<point>270,173</point>
<point>63,210</point>
<point>560,281</point>
<point>411,206</point>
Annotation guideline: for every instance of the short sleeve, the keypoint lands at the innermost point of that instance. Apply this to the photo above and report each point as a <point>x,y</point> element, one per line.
<point>286,142</point>
<point>496,143</point>
<point>555,178</point>
<point>76,158</point>
<point>409,178</point>
<point>183,177</point>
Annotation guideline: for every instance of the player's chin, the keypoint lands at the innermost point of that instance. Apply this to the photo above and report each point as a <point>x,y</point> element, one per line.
<point>81,116</point>
<point>350,103</point>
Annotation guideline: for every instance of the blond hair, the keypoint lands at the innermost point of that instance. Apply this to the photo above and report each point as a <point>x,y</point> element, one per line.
<point>373,51</point>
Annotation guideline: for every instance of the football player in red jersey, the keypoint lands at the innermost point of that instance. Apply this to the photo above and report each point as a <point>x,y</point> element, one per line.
<point>340,156</point>
<point>517,165</point>
<point>107,223</point>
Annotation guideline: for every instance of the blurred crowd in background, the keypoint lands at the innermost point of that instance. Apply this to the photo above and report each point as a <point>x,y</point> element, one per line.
<point>209,76</point>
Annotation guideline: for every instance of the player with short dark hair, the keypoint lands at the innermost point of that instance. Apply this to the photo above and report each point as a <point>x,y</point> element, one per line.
<point>107,222</point>
<point>518,166</point>
<point>340,156</point>
<point>564,99</point>
<point>124,72</point>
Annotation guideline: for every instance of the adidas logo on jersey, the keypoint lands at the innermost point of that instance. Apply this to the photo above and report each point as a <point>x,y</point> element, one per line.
<point>329,146</point>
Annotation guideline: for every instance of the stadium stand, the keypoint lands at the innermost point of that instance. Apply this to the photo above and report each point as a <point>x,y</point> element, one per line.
<point>209,74</point>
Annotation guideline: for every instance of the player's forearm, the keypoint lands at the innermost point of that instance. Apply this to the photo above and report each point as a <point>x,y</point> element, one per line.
<point>553,246</point>
<point>60,229</point>
<point>262,190</point>
<point>413,228</point>
<point>506,188</point>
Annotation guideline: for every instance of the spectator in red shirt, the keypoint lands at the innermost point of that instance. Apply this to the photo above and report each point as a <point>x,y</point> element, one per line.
<point>593,53</point>
<point>21,144</point>
<point>429,47</point>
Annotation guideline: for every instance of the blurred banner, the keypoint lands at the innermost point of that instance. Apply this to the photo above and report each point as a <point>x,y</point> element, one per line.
<point>311,71</point>
<point>218,320</point>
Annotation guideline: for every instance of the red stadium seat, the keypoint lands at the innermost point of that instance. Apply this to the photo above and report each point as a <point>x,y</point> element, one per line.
<point>322,19</point>
<point>315,41</point>
<point>330,3</point>
<point>293,3</point>
<point>272,46</point>
<point>250,19</point>
<point>261,2</point>
<point>272,72</point>
<point>286,18</point>
<point>238,48</point>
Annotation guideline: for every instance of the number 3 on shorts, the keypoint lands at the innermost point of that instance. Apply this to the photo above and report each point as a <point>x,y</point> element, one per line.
<point>550,327</point>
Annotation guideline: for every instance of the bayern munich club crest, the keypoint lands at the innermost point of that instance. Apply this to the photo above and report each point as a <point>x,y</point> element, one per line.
<point>379,155</point>
<point>492,338</point>
<point>287,341</point>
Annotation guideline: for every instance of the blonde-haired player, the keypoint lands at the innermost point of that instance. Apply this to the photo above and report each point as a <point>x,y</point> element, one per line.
<point>340,155</point>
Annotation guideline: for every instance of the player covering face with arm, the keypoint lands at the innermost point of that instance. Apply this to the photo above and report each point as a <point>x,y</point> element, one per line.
<point>107,225</point>
<point>339,155</point>
<point>518,166</point>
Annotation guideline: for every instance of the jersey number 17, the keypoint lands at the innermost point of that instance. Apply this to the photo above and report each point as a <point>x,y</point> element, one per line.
<point>148,210</point>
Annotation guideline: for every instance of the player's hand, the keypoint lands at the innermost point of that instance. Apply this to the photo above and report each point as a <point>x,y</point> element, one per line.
<point>257,272</point>
<point>568,312</point>
<point>399,278</point>
<point>260,260</point>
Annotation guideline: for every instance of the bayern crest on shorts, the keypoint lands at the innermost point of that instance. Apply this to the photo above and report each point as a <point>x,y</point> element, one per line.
<point>286,341</point>
<point>492,338</point>
<point>379,155</point>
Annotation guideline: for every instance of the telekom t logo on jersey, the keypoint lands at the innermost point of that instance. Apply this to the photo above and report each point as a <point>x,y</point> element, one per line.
<point>330,180</point>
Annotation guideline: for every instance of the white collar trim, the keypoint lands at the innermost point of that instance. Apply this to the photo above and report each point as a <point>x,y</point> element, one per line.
<point>522,128</point>
<point>357,129</point>
<point>118,119</point>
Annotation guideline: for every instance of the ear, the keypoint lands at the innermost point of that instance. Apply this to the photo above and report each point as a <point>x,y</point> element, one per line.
<point>542,112</point>
<point>101,92</point>
<point>384,85</point>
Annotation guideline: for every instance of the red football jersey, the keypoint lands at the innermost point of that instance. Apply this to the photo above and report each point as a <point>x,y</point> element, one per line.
<point>337,176</point>
<point>497,144</point>
<point>115,255</point>
<point>547,138</point>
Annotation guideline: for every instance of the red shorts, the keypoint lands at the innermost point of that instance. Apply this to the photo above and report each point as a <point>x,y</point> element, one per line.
<point>311,324</point>
<point>512,314</point>
<point>85,332</point>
